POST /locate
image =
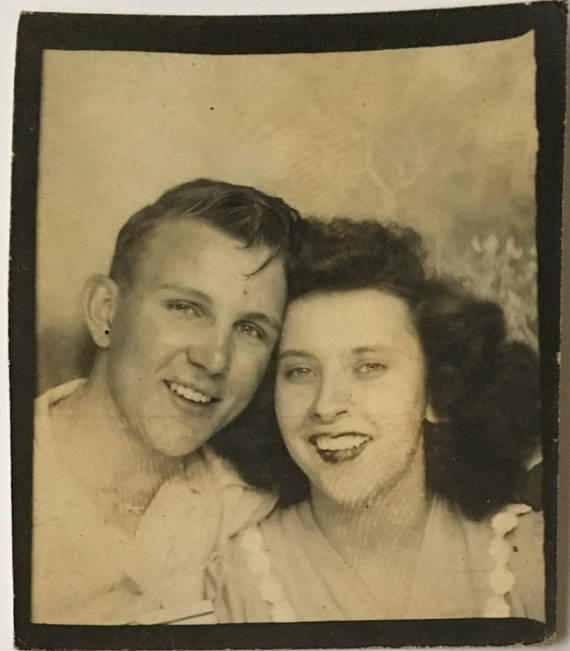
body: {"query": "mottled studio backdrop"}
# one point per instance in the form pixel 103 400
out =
pixel 442 139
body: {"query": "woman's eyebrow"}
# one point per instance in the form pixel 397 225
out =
pixel 379 348
pixel 294 353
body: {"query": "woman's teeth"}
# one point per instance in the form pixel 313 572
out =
pixel 340 447
pixel 189 394
pixel 343 442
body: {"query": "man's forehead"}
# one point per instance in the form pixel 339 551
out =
pixel 180 252
pixel 191 238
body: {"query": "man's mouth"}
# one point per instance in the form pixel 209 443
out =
pixel 189 394
pixel 334 448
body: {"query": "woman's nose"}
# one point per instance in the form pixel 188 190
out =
pixel 331 401
pixel 212 353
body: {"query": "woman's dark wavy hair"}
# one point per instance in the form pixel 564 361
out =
pixel 483 387
pixel 245 213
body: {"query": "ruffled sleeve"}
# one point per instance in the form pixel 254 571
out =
pixel 527 565
pixel 516 579
pixel 243 585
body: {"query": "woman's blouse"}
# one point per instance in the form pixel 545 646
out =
pixel 285 570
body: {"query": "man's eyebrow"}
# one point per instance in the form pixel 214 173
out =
pixel 261 316
pixel 189 291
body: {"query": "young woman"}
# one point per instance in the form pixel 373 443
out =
pixel 411 420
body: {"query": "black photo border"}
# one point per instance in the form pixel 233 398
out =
pixel 271 35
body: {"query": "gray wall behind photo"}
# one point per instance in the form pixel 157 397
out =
pixel 442 139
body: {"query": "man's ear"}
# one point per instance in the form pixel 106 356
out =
pixel 100 299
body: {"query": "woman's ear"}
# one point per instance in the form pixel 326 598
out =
pixel 431 416
pixel 100 298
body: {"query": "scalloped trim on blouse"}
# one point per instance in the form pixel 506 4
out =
pixel 501 578
pixel 270 589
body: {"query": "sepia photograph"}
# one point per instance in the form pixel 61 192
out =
pixel 284 324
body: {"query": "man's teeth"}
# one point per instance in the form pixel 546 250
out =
pixel 188 393
pixel 343 442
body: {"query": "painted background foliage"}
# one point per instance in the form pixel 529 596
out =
pixel 442 139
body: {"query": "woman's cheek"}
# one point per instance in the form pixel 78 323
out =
pixel 290 406
pixel 302 399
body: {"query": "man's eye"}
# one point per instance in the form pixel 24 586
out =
pixel 185 308
pixel 251 330
pixel 370 367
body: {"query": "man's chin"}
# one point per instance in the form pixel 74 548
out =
pixel 180 445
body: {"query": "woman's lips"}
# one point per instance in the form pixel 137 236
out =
pixel 334 448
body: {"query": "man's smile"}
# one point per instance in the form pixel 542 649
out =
pixel 190 394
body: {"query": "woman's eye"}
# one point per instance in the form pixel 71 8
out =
pixel 185 308
pixel 251 330
pixel 298 373
pixel 370 367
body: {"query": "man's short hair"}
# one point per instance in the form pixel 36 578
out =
pixel 250 216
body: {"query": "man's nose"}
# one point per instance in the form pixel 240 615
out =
pixel 331 401
pixel 212 353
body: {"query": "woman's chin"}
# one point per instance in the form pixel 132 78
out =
pixel 345 495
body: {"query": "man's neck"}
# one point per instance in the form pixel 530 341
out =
pixel 388 525
pixel 112 462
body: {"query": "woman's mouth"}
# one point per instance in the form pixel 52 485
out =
pixel 189 394
pixel 334 448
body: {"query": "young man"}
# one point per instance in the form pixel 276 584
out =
pixel 128 502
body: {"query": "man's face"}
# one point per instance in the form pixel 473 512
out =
pixel 192 337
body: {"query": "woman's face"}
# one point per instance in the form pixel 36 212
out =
pixel 350 394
